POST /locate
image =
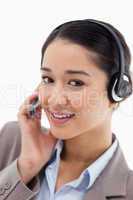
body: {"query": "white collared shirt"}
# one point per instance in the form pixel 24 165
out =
pixel 76 189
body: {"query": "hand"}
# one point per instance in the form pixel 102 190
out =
pixel 37 146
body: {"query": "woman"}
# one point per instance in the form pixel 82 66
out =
pixel 78 157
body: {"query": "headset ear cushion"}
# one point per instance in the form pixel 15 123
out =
pixel 125 88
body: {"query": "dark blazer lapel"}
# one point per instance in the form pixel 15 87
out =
pixel 112 181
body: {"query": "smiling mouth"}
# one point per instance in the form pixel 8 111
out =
pixel 60 119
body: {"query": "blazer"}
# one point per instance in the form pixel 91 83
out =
pixel 115 182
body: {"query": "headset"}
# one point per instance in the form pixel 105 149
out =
pixel 120 85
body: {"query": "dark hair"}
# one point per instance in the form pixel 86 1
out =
pixel 95 38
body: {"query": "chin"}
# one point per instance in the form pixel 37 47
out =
pixel 61 134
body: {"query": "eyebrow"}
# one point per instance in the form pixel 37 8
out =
pixel 67 71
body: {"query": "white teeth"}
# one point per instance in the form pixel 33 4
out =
pixel 61 116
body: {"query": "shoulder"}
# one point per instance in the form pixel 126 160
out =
pixel 10 133
pixel 10 126
pixel 10 143
pixel 130 185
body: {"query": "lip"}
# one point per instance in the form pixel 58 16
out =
pixel 58 121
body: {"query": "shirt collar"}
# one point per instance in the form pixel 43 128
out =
pixel 56 151
pixel 59 145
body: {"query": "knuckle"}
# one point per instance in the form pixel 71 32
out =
pixel 23 109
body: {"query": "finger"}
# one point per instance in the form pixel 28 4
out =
pixel 24 113
pixel 30 98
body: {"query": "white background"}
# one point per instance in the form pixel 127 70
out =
pixel 24 26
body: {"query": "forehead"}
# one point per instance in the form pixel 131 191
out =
pixel 61 55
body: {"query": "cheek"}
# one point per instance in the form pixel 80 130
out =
pixel 43 95
pixel 91 104
pixel 79 99
pixel 85 100
pixel 95 100
pixel 98 105
pixel 76 102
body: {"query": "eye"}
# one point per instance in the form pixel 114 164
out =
pixel 77 83
pixel 46 79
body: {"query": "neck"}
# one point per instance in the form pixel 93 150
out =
pixel 87 147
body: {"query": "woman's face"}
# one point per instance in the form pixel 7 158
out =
pixel 73 83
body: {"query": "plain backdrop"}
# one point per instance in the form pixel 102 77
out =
pixel 24 26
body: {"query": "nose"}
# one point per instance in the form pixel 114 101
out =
pixel 57 98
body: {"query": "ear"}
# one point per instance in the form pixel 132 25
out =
pixel 115 105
